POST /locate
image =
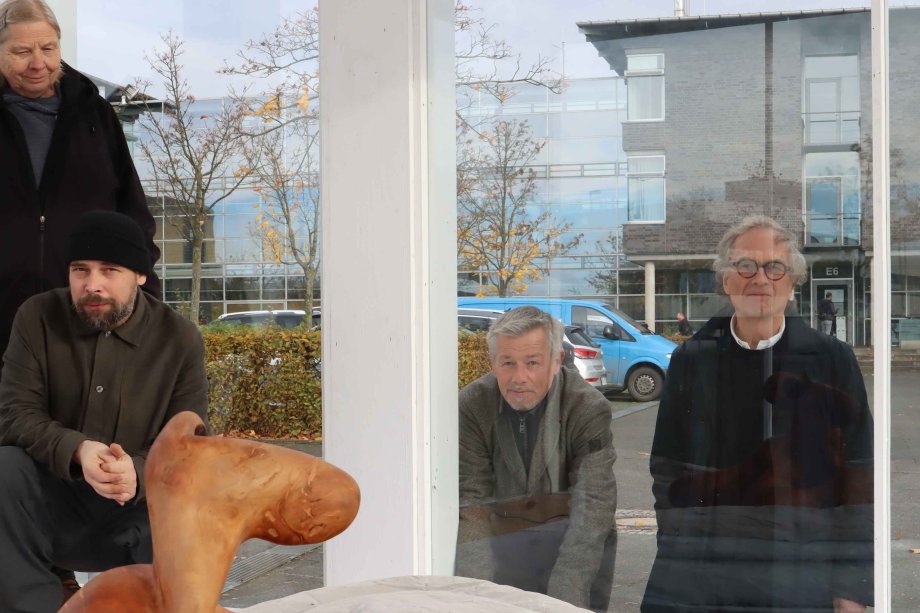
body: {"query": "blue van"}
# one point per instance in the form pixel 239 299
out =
pixel 636 359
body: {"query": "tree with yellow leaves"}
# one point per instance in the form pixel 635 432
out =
pixel 190 153
pixel 497 233
pixel 285 172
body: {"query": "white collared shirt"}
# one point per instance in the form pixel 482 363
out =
pixel 764 344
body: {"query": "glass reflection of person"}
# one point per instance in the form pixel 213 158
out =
pixel 537 489
pixel 762 456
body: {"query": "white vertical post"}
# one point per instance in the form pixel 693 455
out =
pixel 389 281
pixel 66 13
pixel 650 295
pixel 881 304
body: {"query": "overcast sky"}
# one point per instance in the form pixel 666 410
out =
pixel 114 36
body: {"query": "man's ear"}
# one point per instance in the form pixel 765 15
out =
pixel 141 279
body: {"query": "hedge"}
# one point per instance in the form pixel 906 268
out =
pixel 472 358
pixel 266 381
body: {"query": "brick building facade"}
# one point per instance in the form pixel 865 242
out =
pixel 767 114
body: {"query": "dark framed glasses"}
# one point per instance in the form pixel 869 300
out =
pixel 773 270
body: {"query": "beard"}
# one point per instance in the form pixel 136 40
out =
pixel 106 320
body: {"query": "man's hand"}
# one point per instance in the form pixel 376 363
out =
pixel 108 470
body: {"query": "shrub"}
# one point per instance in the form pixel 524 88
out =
pixel 264 381
pixel 473 358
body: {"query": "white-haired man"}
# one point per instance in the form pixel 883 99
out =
pixel 762 456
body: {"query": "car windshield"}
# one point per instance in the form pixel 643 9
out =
pixel 635 324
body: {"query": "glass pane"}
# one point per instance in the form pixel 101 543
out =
pixel 646 199
pixel 645 98
pixel 646 164
pixel 645 62
pixel 905 309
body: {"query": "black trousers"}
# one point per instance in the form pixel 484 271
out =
pixel 46 521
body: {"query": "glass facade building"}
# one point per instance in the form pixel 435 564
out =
pixel 582 180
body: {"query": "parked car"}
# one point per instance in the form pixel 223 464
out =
pixel 635 358
pixel 581 352
pixel 588 357
pixel 283 318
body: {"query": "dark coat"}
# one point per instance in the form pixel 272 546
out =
pixel 88 167
pixel 750 522
pixel 64 382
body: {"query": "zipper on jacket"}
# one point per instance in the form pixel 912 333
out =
pixel 41 245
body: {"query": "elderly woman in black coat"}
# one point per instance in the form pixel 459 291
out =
pixel 62 153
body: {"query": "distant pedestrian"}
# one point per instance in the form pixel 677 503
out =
pixel 683 326
pixel 827 313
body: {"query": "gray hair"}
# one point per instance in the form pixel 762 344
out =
pixel 798 268
pixel 26 11
pixel 518 322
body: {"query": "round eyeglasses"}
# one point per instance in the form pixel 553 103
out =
pixel 773 270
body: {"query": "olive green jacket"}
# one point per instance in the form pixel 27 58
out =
pixel 64 383
pixel 574 454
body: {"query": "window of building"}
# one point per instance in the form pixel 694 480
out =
pixel 830 99
pixel 645 87
pixel 832 210
pixel 645 175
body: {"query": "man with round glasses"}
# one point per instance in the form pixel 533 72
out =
pixel 762 456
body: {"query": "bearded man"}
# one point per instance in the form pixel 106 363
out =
pixel 91 375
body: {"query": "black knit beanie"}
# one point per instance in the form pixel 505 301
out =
pixel 110 237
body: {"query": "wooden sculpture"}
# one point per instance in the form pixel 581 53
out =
pixel 207 495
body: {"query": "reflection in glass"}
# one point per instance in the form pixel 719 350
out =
pixel 832 198
pixel 762 457
pixel 831 89
pixel 243 288
pixel 537 489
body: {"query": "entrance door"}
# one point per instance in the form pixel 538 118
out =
pixel 841 292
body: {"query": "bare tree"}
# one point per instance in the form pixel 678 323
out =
pixel 190 153
pixel 288 58
pixel 489 64
pixel 497 233
pixel 285 171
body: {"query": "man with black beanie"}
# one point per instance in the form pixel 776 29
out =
pixel 91 375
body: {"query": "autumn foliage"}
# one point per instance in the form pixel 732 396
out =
pixel 498 232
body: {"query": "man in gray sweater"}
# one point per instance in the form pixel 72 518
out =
pixel 537 489
pixel 91 375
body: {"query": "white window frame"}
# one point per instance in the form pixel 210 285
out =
pixel 648 175
pixel 840 112
pixel 654 72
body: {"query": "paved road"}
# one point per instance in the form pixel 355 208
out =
pixel 633 430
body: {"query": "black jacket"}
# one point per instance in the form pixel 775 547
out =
pixel 749 521
pixel 88 167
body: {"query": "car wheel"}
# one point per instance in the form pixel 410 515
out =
pixel 644 384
